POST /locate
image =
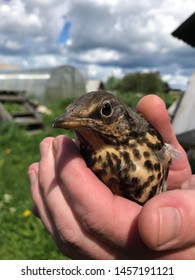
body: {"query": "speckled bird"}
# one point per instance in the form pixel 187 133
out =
pixel 124 151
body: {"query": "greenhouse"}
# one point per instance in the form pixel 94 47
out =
pixel 45 85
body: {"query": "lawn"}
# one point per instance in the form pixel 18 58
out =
pixel 22 236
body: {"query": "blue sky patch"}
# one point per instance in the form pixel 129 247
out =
pixel 65 33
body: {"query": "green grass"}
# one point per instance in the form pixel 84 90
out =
pixel 14 107
pixel 22 235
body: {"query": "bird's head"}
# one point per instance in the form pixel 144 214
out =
pixel 97 116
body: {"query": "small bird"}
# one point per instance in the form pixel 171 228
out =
pixel 124 151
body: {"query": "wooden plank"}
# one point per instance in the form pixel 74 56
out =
pixel 27 121
pixel 11 98
pixel 4 114
pixel 22 114
pixel 28 118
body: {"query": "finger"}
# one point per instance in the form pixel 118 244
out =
pixel 189 183
pixel 153 109
pixel 39 205
pixel 42 212
pixel 171 219
pixel 66 223
pixel 32 175
pixel 98 210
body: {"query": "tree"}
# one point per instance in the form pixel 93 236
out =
pixel 146 83
pixel 113 83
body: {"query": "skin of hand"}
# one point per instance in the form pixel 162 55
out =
pixel 88 222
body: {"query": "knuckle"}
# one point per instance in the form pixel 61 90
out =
pixel 69 235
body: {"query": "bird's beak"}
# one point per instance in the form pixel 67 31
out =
pixel 66 121
pixel 63 121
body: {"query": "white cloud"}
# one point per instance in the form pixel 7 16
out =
pixel 99 55
pixel 95 72
pixel 106 37
pixel 15 20
pixel 13 45
pixel 176 80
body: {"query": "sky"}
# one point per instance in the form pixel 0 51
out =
pixel 101 38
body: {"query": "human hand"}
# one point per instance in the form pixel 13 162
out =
pixel 87 221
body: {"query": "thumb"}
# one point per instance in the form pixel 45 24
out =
pixel 167 221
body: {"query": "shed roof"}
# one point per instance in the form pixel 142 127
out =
pixel 93 85
pixel 45 85
pixel 183 121
pixel 186 31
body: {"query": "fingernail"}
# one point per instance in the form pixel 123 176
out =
pixel 44 147
pixel 55 146
pixel 170 225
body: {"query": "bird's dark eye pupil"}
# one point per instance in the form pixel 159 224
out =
pixel 106 109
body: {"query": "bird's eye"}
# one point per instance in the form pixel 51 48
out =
pixel 106 110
